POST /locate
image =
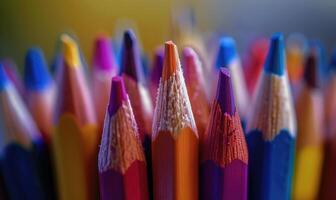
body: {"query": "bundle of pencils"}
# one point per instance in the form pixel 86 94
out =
pixel 75 140
pixel 122 164
pixel 224 156
pixel 188 147
pixel 175 138
pixel 271 130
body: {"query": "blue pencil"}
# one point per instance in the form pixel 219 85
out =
pixel 272 130
pixel 40 95
pixel 21 146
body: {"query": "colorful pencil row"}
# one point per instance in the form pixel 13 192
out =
pixel 185 147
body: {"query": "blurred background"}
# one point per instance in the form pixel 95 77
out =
pixel 38 23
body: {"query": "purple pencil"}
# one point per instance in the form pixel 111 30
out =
pixel 224 155
pixel 156 72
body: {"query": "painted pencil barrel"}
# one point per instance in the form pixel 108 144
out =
pixel 175 177
pixel 75 158
pixel 270 166
pixel 18 166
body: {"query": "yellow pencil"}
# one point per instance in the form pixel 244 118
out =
pixel 75 138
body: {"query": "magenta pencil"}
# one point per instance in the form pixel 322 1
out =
pixel 121 160
pixel 224 156
pixel 104 67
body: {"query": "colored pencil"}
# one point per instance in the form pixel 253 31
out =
pixel 271 130
pixel 104 68
pixel 194 78
pixel 224 156
pixel 227 56
pixel 122 163
pixel 141 103
pixel 175 138
pixel 75 139
pixel 295 53
pixel 156 72
pixel 13 74
pixel 254 62
pixel 309 150
pixel 21 146
pixel 40 93
pixel 328 177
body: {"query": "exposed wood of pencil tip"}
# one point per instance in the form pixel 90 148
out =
pixel 171 60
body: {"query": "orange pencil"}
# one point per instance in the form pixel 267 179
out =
pixel 75 140
pixel 194 78
pixel 175 138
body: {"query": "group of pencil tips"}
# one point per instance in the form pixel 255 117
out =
pixel 212 126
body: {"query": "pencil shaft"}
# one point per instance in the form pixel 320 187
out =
pixel 271 166
pixel 177 176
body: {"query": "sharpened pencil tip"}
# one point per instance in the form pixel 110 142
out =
pixel 103 58
pixel 171 60
pixel 311 71
pixel 36 75
pixel 191 63
pixel 70 51
pixel 4 80
pixel 226 52
pixel 129 38
pixel 275 60
pixel 224 96
pixel 130 57
pixel 157 65
pixel 118 95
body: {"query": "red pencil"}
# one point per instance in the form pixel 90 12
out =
pixel 224 151
pixel 195 83
pixel 121 160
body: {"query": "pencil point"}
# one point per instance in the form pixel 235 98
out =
pixel 129 38
pixel 70 51
pixel 103 55
pixel 226 52
pixel 157 65
pixel 191 62
pixel 131 60
pixel 171 60
pixel 4 80
pixel 311 73
pixel 36 75
pixel 275 60
pixel 118 95
pixel 224 95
